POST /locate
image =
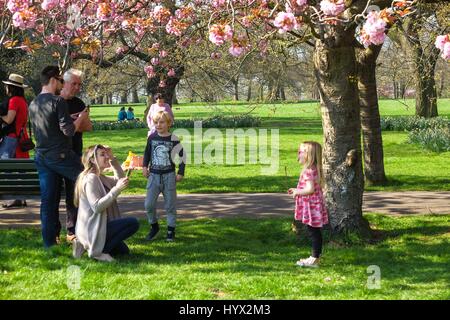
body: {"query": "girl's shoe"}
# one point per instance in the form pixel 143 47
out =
pixel 104 257
pixel 310 262
pixel 77 249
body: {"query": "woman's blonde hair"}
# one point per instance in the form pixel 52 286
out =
pixel 314 158
pixel 90 163
pixel 162 114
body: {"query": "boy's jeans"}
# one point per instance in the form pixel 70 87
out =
pixel 166 184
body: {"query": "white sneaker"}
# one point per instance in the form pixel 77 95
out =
pixel 77 249
pixel 310 262
pixel 104 257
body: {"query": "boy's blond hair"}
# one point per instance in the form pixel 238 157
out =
pixel 162 114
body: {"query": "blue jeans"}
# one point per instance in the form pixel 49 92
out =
pixel 116 232
pixel 8 147
pixel 51 167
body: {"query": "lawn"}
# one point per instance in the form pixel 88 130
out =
pixel 237 259
pixel 407 166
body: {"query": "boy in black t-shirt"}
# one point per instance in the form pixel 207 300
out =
pixel 159 168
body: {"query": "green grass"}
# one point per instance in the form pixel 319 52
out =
pixel 408 167
pixel 237 259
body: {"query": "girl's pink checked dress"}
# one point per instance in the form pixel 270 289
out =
pixel 311 209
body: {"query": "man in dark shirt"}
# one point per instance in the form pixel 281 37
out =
pixel 71 88
pixel 53 130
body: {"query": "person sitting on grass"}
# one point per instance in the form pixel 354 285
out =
pixel 122 114
pixel 100 230
pixel 159 168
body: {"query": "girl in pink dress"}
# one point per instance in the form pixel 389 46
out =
pixel 309 201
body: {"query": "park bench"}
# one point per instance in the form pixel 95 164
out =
pixel 18 177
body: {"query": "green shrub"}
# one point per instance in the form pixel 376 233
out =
pixel 434 139
pixel 411 123
pixel 212 122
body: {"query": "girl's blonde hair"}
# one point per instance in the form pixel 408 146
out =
pixel 90 163
pixel 162 114
pixel 314 158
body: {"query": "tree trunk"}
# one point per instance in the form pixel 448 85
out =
pixel 236 88
pixel 124 97
pixel 426 96
pixel 174 98
pixel 169 89
pixel 249 90
pixel 335 71
pixel 370 116
pixel 134 96
pixel 282 93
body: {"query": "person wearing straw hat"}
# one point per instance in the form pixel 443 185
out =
pixel 14 118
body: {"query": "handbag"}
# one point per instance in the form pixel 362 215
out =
pixel 25 144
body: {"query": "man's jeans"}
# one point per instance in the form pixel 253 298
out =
pixel 51 167
pixel 116 232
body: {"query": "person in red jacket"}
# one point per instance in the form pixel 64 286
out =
pixel 16 119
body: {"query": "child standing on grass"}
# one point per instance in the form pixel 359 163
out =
pixel 159 168
pixel 309 201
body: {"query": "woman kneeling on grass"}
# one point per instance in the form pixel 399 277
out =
pixel 100 230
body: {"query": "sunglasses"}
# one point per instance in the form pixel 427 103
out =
pixel 60 79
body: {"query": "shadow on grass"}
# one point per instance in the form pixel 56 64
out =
pixel 243 245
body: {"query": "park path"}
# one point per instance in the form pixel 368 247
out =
pixel 254 205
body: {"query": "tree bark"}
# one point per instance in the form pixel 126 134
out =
pixel 370 116
pixel 235 82
pixel 134 96
pixel 426 95
pixel 124 97
pixel 335 71
pixel 249 90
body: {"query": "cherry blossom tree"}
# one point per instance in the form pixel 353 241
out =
pixel 107 31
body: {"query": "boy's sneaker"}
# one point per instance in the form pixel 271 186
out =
pixel 170 234
pixel 153 232
pixel 310 262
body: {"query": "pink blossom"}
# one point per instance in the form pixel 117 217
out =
pixel 373 30
pixel 54 39
pixel 285 22
pixel 17 5
pixel 155 61
pixel 440 41
pixel 218 3
pixel 163 53
pixel 162 84
pixel 122 50
pixel 236 50
pixel 176 27
pixel 332 7
pixel 301 3
pixel 105 11
pixel 216 55
pixel 25 19
pixel 49 4
pixel 446 52
pixel 218 34
pixel 149 71
pixel 171 73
